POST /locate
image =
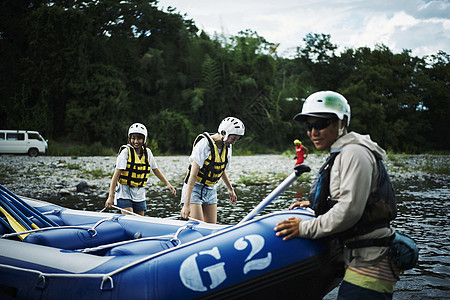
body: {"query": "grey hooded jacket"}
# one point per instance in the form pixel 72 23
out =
pixel 353 177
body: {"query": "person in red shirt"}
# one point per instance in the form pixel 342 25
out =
pixel 302 152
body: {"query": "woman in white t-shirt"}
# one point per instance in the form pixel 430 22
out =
pixel 208 163
pixel 133 165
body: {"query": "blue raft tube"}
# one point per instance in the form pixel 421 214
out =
pixel 51 252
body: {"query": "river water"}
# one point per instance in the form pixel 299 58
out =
pixel 421 182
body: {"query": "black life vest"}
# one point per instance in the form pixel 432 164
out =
pixel 214 165
pixel 381 207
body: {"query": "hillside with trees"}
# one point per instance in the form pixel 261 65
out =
pixel 83 71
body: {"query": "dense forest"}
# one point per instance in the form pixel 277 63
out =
pixel 83 71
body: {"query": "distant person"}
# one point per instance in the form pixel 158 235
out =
pixel 209 161
pixel 302 152
pixel 133 165
pixel 352 197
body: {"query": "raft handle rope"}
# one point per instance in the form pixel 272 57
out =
pixel 7 235
pixel 175 240
pixel 121 209
pixel 172 238
pixel 90 229
pixel 190 218
pixel 111 283
pixel 106 246
pixel 52 212
pixel 42 277
pixel 172 217
pixel 104 277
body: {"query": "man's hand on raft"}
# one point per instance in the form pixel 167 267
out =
pixel 288 229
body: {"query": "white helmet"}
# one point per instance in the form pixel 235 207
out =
pixel 231 125
pixel 138 128
pixel 325 102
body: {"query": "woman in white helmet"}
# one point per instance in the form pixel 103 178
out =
pixel 133 165
pixel 352 197
pixel 209 160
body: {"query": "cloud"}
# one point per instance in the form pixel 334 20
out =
pixel 433 9
pixel 419 25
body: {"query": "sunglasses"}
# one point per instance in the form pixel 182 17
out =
pixel 319 125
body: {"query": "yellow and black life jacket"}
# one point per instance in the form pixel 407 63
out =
pixel 138 168
pixel 213 166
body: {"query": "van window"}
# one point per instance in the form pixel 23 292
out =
pixel 35 136
pixel 15 136
pixel 2 136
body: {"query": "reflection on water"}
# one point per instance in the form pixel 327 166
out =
pixel 423 214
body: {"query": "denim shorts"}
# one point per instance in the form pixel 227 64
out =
pixel 203 195
pixel 137 206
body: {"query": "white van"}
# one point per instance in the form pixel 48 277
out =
pixel 22 142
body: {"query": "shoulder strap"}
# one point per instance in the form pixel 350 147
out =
pixel 123 147
pixel 321 187
pixel 209 139
pixel 131 160
pixel 381 242
pixel 211 145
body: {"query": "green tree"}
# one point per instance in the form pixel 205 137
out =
pixel 434 87
pixel 171 132
pixel 85 71
pixel 383 96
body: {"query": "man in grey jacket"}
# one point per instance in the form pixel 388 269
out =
pixel 346 199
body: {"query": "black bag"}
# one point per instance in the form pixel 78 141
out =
pixel 403 251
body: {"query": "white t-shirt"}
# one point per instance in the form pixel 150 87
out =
pixel 199 154
pixel 124 191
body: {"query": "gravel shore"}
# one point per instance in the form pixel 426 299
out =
pixel 56 176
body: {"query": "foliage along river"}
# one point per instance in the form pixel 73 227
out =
pixel 421 183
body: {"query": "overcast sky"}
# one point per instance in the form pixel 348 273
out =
pixel 422 26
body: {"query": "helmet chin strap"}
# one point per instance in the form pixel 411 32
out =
pixel 341 129
pixel 224 137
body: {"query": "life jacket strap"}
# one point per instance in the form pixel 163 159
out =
pixel 386 242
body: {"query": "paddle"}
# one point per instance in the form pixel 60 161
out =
pixel 6 224
pixel 298 170
pixel 16 226
pixel 17 213
pixel 25 206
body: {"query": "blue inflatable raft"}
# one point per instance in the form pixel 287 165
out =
pixel 62 253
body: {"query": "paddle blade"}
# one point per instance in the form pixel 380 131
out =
pixel 14 224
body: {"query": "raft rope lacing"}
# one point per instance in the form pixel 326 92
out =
pixel 90 229
pixel 106 277
pixel 41 282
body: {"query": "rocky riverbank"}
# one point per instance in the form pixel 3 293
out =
pixel 57 177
